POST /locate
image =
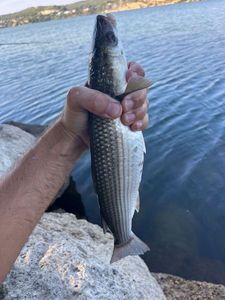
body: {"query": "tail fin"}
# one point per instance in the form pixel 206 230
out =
pixel 134 246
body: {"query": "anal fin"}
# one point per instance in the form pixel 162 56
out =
pixel 105 226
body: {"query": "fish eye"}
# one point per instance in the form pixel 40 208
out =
pixel 103 21
pixel 110 37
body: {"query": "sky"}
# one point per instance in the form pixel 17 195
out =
pixel 11 6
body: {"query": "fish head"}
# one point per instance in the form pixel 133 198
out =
pixel 105 32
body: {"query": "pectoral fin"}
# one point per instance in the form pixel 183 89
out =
pixel 135 84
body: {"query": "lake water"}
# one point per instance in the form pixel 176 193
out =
pixel 182 49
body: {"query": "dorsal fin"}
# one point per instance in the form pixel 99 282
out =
pixel 135 84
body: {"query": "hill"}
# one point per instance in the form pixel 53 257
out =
pixel 46 13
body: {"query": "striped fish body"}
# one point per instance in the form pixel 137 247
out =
pixel 117 153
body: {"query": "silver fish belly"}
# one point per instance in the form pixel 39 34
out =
pixel 117 153
pixel 117 162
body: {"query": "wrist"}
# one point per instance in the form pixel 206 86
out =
pixel 64 142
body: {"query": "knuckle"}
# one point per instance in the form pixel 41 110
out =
pixel 73 92
pixel 139 103
pixel 98 103
pixel 139 97
pixel 141 113
pixel 94 102
pixel 71 96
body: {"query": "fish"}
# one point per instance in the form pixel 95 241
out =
pixel 117 152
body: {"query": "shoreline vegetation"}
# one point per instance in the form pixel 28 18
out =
pixel 81 8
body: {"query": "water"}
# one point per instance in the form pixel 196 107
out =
pixel 182 49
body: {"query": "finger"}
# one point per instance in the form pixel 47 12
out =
pixel 128 118
pixel 134 100
pixel 135 115
pixel 130 74
pixel 82 98
pixel 134 69
pixel 140 124
pixel 141 111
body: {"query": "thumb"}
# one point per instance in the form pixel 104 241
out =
pixel 82 99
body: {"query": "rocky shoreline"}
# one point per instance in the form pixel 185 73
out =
pixel 81 8
pixel 68 258
pixel 177 288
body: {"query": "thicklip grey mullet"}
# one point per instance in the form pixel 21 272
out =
pixel 117 153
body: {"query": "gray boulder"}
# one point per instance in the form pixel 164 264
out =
pixel 66 258
pixel 34 129
pixel 14 142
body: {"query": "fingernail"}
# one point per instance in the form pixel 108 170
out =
pixel 129 117
pixel 113 110
pixel 139 124
pixel 129 104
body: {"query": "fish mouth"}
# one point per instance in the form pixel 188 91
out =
pixel 106 30
pixel 107 19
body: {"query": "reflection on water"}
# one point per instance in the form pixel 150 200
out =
pixel 181 47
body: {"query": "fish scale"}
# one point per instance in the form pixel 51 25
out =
pixel 117 153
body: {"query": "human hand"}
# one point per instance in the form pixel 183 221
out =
pixel 80 100
pixel 135 105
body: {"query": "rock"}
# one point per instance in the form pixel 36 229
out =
pixel 14 142
pixel 66 258
pixel 176 288
pixel 34 129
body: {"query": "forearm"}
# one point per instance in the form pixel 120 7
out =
pixel 29 189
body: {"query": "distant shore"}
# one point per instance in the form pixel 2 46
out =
pixel 82 8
